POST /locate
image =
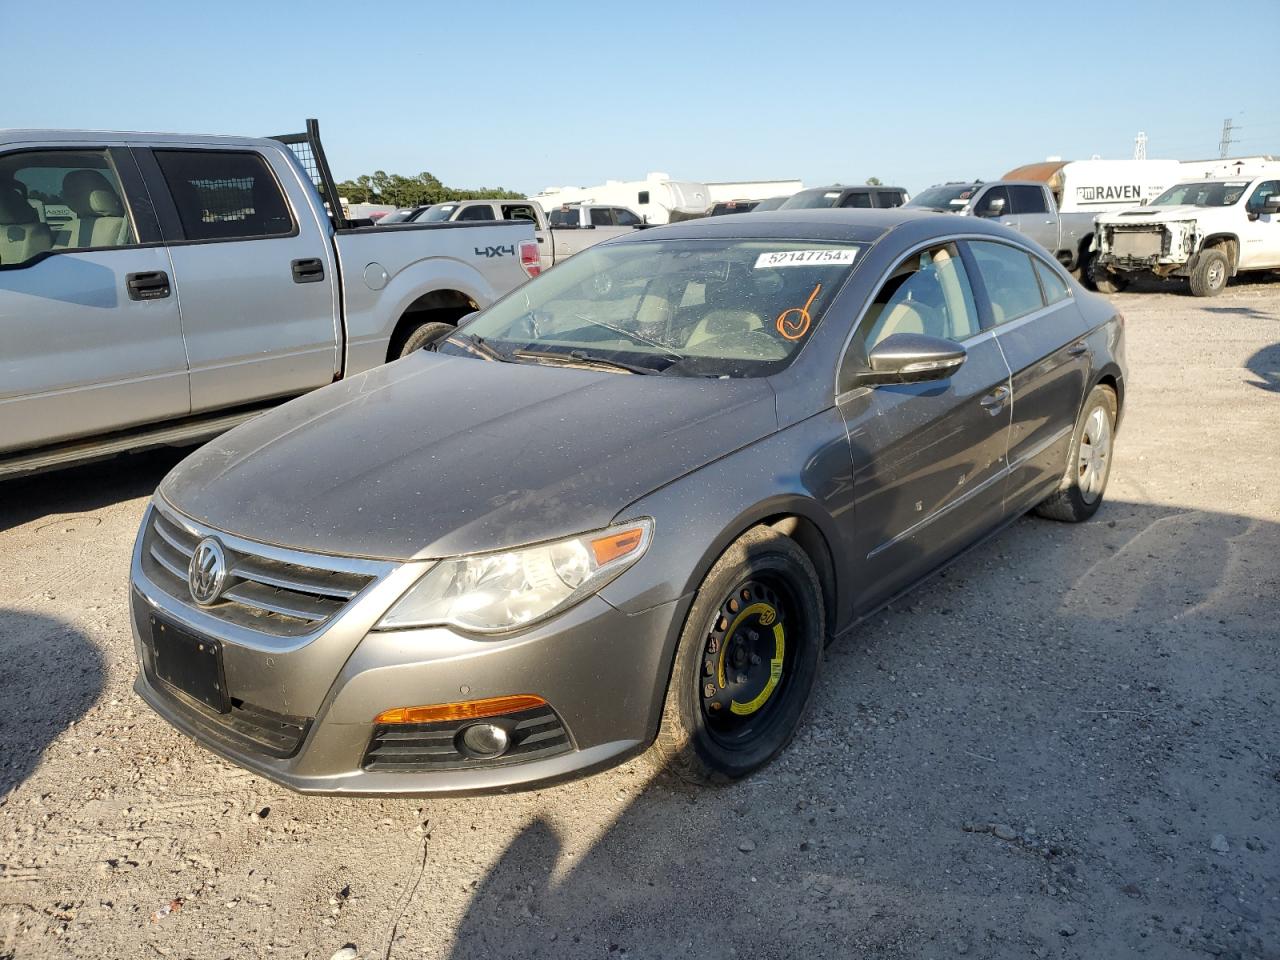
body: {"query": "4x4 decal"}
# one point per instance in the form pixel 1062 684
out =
pixel 509 250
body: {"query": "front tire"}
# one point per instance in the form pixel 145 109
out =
pixel 1088 463
pixel 1209 277
pixel 747 661
pixel 1102 280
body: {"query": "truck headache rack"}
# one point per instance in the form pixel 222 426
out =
pixel 310 153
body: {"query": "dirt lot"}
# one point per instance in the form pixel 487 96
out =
pixel 1067 746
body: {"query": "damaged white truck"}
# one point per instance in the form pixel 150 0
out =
pixel 1206 230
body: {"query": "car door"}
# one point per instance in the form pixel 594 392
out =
pixel 90 337
pixel 254 270
pixel 1031 215
pixel 1260 232
pixel 1041 334
pixel 929 458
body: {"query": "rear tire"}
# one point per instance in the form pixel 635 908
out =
pixel 1209 277
pixel 746 664
pixel 426 335
pixel 1088 462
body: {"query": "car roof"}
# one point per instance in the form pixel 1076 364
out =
pixel 848 186
pixel 109 137
pixel 848 224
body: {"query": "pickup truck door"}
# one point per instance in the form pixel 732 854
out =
pixel 1033 215
pixel 90 339
pixel 254 269
pixel 1260 233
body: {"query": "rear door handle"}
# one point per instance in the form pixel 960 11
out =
pixel 1078 348
pixel 309 270
pixel 994 400
pixel 147 285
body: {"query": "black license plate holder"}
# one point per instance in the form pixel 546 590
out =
pixel 189 664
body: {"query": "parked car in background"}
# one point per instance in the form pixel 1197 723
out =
pixel 725 207
pixel 1205 230
pixel 627 505
pixel 864 196
pixel 160 288
pixel 403 215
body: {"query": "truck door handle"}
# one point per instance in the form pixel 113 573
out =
pixel 310 270
pixel 1078 348
pixel 1049 221
pixel 147 285
pixel 994 400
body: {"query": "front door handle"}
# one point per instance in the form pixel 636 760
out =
pixel 1078 348
pixel 147 285
pixel 993 402
pixel 309 270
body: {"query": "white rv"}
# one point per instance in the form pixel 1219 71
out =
pixel 657 198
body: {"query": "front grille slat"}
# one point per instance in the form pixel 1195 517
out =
pixel 267 590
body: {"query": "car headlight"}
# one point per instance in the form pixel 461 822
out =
pixel 496 592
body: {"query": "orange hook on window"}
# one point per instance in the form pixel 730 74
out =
pixel 794 329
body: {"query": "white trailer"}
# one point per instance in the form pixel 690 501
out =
pixel 657 198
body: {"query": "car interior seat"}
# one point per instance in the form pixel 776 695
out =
pixel 22 234
pixel 98 214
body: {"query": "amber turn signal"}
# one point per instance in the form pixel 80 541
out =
pixel 466 710
pixel 616 545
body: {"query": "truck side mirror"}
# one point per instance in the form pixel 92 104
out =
pixel 995 207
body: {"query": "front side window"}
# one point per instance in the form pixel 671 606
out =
pixel 625 217
pixel 225 195
pixel 1258 199
pixel 1009 278
pixel 1027 199
pixel 479 212
pixel 983 208
pixel 52 200
pixel 601 217
pixel 859 198
pixel 731 308
pixel 928 293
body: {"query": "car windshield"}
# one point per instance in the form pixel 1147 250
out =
pixel 397 216
pixel 948 197
pixel 438 213
pixel 773 203
pixel 713 308
pixel 812 199
pixel 1202 193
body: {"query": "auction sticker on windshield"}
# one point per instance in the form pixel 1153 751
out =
pixel 806 258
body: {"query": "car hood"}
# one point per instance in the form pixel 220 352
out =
pixel 435 456
pixel 1136 216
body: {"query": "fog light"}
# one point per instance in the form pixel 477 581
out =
pixel 484 741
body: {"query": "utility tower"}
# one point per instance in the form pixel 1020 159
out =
pixel 1140 146
pixel 1224 145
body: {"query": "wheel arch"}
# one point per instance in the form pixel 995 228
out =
pixel 445 305
pixel 1231 244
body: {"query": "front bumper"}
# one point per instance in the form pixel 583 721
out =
pixel 603 672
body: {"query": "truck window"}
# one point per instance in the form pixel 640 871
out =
pixel 888 198
pixel 481 211
pixel 518 211
pixel 1027 199
pixel 225 195
pixel 564 217
pixel 983 208
pixel 53 200
pixel 858 198
pixel 1010 279
pixel 1259 197
pixel 601 217
pixel 625 217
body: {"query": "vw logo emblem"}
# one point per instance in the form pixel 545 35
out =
pixel 207 572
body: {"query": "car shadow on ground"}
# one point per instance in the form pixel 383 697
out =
pixel 50 674
pixel 84 488
pixel 1032 755
pixel 1265 365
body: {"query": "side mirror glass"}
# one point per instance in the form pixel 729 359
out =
pixel 911 358
pixel 995 207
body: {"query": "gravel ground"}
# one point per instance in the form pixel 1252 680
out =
pixel 1066 746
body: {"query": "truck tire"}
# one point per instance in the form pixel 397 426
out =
pixel 426 335
pixel 1209 276
pixel 1095 277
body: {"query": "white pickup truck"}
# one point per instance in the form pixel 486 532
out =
pixel 568 229
pixel 1205 230
pixel 158 289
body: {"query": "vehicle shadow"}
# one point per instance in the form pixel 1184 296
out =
pixel 1027 756
pixel 1265 365
pixel 84 488
pixel 50 674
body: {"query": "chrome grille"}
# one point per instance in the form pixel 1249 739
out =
pixel 262 592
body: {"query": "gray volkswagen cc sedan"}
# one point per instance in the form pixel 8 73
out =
pixel 624 507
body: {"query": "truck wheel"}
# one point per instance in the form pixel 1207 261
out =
pixel 426 335
pixel 1209 277
pixel 1097 277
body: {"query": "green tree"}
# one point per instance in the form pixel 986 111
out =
pixel 402 191
pixel 875 181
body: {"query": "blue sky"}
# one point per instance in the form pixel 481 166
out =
pixel 539 93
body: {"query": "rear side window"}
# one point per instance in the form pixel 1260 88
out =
pixel 518 211
pixel 625 217
pixel 54 200
pixel 1027 199
pixel 225 195
pixel 860 199
pixel 1054 287
pixel 479 212
pixel 1009 278
pixel 601 217
pixel 888 198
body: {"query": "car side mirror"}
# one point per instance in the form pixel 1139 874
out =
pixel 995 207
pixel 911 358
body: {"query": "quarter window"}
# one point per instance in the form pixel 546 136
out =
pixel 1009 279
pixel 225 195
pixel 928 293
pixel 1054 287
pixel 60 200
pixel 1027 199
pixel 518 211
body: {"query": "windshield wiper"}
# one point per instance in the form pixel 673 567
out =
pixel 636 337
pixel 583 358
pixel 476 345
